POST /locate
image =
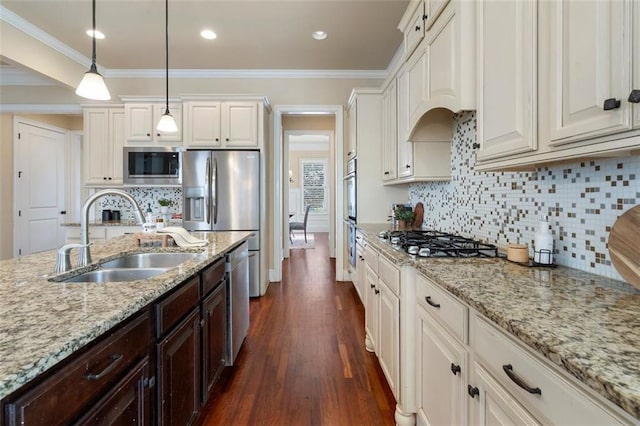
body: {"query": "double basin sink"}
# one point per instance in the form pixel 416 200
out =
pixel 131 267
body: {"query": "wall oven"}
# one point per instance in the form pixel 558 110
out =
pixel 351 212
pixel 350 180
pixel 152 166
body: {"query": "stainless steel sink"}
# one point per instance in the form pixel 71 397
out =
pixel 149 260
pixel 116 275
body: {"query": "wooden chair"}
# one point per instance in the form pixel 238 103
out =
pixel 300 226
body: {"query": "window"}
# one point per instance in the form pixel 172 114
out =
pixel 314 185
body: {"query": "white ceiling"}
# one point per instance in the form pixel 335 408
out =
pixel 253 35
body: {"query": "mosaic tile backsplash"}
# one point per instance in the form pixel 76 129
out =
pixel 146 197
pixel 582 200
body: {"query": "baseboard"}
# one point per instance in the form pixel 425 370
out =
pixel 273 276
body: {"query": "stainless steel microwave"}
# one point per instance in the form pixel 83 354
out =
pixel 150 166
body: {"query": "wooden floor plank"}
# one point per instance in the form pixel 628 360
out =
pixel 304 361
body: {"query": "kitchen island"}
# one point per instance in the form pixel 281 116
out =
pixel 44 322
pixel 581 324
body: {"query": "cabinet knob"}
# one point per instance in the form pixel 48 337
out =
pixel 611 103
pixel 217 139
pixel 417 27
pixel 377 291
pixel 408 166
pixel 109 177
pixel 473 391
pixel 227 139
pixel 104 178
pixel 349 153
pixel 386 173
pixel 373 285
pixel 63 212
pixel 634 96
pixel 455 369
pixel 158 134
pixel 149 134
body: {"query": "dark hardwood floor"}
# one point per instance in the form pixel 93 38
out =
pixel 304 361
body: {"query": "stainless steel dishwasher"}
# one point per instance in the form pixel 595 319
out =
pixel 237 268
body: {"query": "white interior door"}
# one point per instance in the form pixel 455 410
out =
pixel 39 188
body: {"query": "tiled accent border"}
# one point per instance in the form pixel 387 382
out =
pixel 581 199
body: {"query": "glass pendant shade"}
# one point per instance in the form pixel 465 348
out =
pixel 92 86
pixel 167 124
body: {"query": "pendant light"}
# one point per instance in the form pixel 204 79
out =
pixel 92 85
pixel 167 124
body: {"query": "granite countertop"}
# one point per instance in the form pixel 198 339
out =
pixel 587 324
pixel 43 322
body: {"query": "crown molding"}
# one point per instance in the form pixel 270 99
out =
pixel 28 28
pixel 40 109
pixel 11 76
pixel 242 73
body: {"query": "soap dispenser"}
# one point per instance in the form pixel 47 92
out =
pixel 543 244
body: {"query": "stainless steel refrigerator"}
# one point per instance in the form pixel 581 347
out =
pixel 221 192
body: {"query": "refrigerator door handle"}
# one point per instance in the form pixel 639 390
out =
pixel 215 188
pixel 208 191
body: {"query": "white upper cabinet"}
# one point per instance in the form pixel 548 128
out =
pixel 389 133
pixel 141 120
pixel 441 71
pixel 589 70
pixel 202 124
pixel 405 148
pixel 432 10
pixel 413 27
pixel 221 124
pixel 352 124
pixel 507 78
pixel 102 146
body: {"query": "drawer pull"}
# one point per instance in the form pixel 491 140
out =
pixel 455 369
pixel 115 360
pixel 431 302
pixel 372 285
pixel 377 291
pixel 508 369
pixel 473 391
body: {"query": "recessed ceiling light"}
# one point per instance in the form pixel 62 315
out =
pixel 319 35
pixel 208 34
pixel 99 35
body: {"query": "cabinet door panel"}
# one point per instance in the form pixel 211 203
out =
pixel 507 46
pixel 126 403
pixel 405 148
pixel 203 124
pixel 179 373
pixel 116 134
pixel 371 309
pixel 416 72
pixel 240 124
pixel 432 10
pixel 494 406
pixel 138 124
pixel 352 117
pixel 590 61
pixel 441 391
pixel 443 69
pixel 389 337
pixel 214 338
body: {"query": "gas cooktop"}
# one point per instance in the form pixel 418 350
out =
pixel 430 243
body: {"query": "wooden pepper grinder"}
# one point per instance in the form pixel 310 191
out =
pixel 418 216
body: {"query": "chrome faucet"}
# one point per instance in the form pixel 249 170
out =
pixel 84 257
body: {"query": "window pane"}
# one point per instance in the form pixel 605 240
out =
pixel 314 185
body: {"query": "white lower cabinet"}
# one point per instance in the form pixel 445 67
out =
pixel 492 404
pixel 546 394
pixel 382 315
pixel 442 374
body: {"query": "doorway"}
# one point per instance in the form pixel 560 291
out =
pixel 311 172
pixel 39 186
pixel 280 224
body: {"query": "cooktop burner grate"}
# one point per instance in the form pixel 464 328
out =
pixel 430 243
